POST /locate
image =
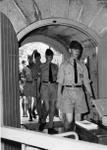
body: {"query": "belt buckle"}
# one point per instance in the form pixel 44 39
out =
pixel 49 82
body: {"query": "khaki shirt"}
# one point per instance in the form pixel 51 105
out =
pixel 66 73
pixel 35 68
pixel 27 74
pixel 45 71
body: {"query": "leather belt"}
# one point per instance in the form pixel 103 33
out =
pixel 75 86
pixel 49 82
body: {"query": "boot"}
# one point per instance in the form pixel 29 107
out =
pixel 73 126
pixel 52 131
pixel 42 126
pixel 34 114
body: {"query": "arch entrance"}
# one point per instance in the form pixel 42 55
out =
pixel 58 33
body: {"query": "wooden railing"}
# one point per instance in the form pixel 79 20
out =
pixel 42 140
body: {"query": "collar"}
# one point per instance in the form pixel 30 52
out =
pixel 71 60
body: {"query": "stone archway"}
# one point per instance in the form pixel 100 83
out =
pixel 67 22
pixel 57 44
pixel 81 29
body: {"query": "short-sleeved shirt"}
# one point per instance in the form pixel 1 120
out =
pixel 35 68
pixel 45 71
pixel 29 87
pixel 66 73
pixel 74 95
pixel 27 74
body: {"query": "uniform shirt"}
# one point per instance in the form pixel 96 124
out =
pixel 45 71
pixel 66 74
pixel 35 68
pixel 27 74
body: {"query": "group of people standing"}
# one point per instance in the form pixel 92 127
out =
pixel 54 87
pixel 29 75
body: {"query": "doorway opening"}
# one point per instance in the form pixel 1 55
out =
pixel 41 47
pixel 25 51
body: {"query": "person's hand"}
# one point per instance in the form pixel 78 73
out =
pixel 91 101
pixel 58 103
pixel 91 97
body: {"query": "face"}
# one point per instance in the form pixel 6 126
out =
pixel 30 60
pixel 24 64
pixel 75 53
pixel 36 60
pixel 49 58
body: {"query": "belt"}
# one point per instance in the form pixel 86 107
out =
pixel 49 82
pixel 29 81
pixel 35 79
pixel 75 86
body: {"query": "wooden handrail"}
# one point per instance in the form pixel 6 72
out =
pixel 46 141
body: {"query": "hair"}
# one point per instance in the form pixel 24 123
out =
pixel 49 52
pixel 76 45
pixel 36 54
pixel 30 60
pixel 23 61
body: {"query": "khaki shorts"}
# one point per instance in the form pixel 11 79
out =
pixel 49 92
pixel 73 97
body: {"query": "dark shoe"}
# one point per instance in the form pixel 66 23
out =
pixel 39 120
pixel 52 131
pixel 73 127
pixel 56 113
pixel 30 119
pixel 42 126
pixel 34 115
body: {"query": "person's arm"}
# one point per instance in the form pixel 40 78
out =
pixel 59 91
pixel 87 82
pixel 60 79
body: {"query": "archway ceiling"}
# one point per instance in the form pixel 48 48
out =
pixel 91 13
pixel 63 34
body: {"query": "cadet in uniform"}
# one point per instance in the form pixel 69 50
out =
pixel 29 86
pixel 21 85
pixel 71 76
pixel 35 69
pixel 48 90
